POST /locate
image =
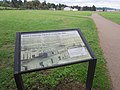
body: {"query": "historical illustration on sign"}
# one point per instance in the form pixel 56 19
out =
pixel 40 50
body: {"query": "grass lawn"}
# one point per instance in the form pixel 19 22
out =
pixel 33 20
pixel 113 16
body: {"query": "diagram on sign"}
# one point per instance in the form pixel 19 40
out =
pixel 39 50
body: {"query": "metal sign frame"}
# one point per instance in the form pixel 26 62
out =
pixel 17 60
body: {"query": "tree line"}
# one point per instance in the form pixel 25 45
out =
pixel 36 4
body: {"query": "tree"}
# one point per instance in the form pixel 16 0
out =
pixel 15 3
pixel 35 4
pixel 20 2
pixel 104 9
pixel 85 8
pixel 53 5
pixel 4 1
pixel 28 5
pixel 25 1
pixel 60 6
pixel 44 5
pixel 49 5
pixel 93 8
pixel 40 6
pixel 77 7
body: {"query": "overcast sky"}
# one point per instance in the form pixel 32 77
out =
pixel 97 3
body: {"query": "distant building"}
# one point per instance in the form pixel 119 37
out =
pixel 106 9
pixel 67 9
pixel 118 10
pixel 52 9
pixel 81 9
pixel 99 10
pixel 75 9
pixel 111 10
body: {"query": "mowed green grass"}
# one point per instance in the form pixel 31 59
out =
pixel 113 16
pixel 32 20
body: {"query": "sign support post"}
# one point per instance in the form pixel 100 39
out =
pixel 19 81
pixel 90 74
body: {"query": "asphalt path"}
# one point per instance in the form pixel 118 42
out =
pixel 109 36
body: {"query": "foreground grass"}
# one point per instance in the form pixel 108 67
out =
pixel 14 21
pixel 113 16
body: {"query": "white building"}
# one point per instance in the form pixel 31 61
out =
pixel 99 10
pixel 67 9
pixel 111 10
pixel 75 9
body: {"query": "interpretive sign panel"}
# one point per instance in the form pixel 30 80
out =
pixel 41 50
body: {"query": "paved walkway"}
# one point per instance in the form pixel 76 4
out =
pixel 109 35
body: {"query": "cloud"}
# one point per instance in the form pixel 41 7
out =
pixel 97 3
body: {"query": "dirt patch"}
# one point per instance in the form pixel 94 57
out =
pixel 40 86
pixel 66 84
pixel 70 84
pixel 46 72
pixel 8 46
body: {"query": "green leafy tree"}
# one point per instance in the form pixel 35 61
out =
pixel 25 1
pixel 49 5
pixel 29 5
pixel 93 8
pixel 20 2
pixel 35 4
pixel 44 5
pixel 53 5
pixel 15 3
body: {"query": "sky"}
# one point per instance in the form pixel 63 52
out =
pixel 97 3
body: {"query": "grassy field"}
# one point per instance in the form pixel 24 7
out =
pixel 113 16
pixel 28 20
